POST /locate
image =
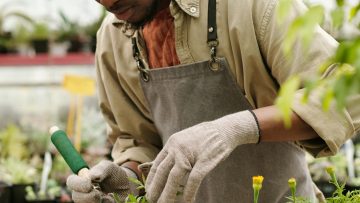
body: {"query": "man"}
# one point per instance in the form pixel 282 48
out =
pixel 208 123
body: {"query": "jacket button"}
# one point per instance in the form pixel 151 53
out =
pixel 193 9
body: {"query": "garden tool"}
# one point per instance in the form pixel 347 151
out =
pixel 69 153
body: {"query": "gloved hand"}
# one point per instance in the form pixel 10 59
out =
pixel 111 178
pixel 189 155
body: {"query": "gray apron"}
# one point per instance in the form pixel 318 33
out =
pixel 185 95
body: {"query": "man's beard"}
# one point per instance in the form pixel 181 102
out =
pixel 150 13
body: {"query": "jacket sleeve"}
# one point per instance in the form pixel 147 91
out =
pixel 334 127
pixel 129 127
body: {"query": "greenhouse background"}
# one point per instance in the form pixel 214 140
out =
pixel 37 92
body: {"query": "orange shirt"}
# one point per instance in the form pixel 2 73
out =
pixel 159 37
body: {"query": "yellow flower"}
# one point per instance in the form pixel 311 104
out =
pixel 292 183
pixel 257 182
pixel 330 170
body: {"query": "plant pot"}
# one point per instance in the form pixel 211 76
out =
pixel 18 193
pixel 4 193
pixel 93 44
pixel 40 45
pixel 75 46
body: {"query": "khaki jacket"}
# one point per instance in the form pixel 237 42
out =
pixel 250 39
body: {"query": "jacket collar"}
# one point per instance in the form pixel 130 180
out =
pixel 190 7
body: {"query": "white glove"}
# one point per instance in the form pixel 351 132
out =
pixel 111 178
pixel 189 155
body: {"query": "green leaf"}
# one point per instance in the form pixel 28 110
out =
pixel 131 199
pixel 136 181
pixel 338 16
pixel 328 97
pixel 303 28
pixel 116 198
pixel 354 11
pixel 291 36
pixel 286 97
pixel 341 91
pixel 340 3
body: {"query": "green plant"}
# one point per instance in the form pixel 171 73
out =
pixel 337 197
pixel 40 142
pixel 294 198
pixel 12 143
pixel 344 81
pixel 60 169
pixel 6 37
pixel 6 13
pixel 20 35
pixel 67 30
pixel 40 31
pixel 53 191
pixel 132 198
pixel 92 28
pixel 17 171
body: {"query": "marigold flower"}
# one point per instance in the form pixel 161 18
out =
pixel 292 183
pixel 257 184
pixel 330 170
pixel 257 180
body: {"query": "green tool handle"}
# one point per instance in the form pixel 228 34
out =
pixel 68 152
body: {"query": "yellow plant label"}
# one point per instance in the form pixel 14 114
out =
pixel 80 85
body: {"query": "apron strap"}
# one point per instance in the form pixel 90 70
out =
pixel 212 34
pixel 212 29
pixel 140 65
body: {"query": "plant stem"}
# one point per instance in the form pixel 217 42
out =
pixel 256 196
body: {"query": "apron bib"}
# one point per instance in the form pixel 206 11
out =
pixel 185 95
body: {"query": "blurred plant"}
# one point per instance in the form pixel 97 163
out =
pixel 71 32
pixel 12 143
pixel 60 170
pixel 318 165
pixel 5 13
pixel 67 30
pixel 40 142
pixel 344 80
pixel 93 127
pixel 53 191
pixel 21 35
pixel 40 31
pixel 16 171
pixel 339 196
pixel 92 28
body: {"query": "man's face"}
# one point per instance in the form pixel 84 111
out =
pixel 132 11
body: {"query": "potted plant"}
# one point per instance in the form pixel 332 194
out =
pixel 18 174
pixel 6 42
pixel 70 32
pixel 15 168
pixel 92 29
pixel 40 37
pixel 53 190
pixel 4 191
